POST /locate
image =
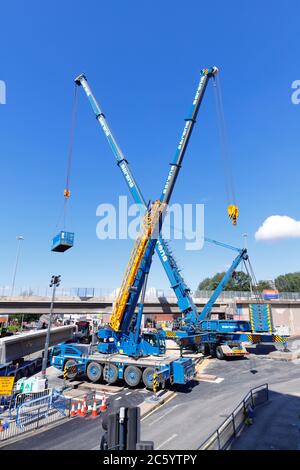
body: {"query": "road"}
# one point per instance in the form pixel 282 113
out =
pixel 78 433
pixel 189 418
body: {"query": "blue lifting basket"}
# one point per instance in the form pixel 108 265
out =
pixel 62 241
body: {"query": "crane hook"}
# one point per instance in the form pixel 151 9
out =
pixel 233 213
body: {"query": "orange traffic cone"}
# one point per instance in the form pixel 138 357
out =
pixel 94 411
pixel 73 412
pixel 83 410
pixel 78 412
pixel 103 406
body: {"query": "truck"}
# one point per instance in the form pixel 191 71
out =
pixel 20 368
pixel 85 360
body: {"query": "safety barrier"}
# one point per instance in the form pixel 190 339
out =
pixel 33 414
pixel 25 397
pixel 223 437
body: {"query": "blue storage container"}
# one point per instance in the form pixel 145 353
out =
pixel 62 241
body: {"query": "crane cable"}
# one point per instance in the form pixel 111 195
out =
pixel 253 280
pixel 232 209
pixel 67 192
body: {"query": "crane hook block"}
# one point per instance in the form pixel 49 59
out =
pixel 67 192
pixel 233 213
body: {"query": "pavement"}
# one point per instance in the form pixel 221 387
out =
pixel 276 425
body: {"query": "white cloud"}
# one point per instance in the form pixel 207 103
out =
pixel 278 226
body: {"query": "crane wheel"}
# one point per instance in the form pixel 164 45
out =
pixel 148 377
pixel 110 373
pixel 71 367
pixel 94 371
pixel 132 376
pixel 219 353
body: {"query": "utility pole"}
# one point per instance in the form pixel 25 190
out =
pixel 19 238
pixel 55 281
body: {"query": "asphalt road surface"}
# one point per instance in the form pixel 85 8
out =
pixel 189 418
pixel 78 433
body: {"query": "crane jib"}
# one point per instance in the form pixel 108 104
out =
pixel 165 256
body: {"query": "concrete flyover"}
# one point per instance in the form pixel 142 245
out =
pixel 286 312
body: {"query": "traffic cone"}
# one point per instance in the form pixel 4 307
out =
pixel 73 412
pixel 78 412
pixel 94 411
pixel 85 406
pixel 103 406
pixel 83 410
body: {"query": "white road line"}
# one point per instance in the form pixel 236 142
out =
pixel 165 442
pixel 119 398
pixel 128 393
pixel 165 414
pixel 219 380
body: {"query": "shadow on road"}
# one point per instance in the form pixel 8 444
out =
pixel 276 425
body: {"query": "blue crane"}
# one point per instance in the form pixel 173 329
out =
pixel 192 329
pixel 177 282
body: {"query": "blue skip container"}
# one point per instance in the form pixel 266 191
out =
pixel 62 241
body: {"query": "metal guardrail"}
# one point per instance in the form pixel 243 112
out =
pixel 110 294
pixel 223 437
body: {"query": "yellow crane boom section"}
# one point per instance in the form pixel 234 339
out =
pixel 148 225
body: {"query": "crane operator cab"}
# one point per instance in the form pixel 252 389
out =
pixel 155 342
pixel 148 344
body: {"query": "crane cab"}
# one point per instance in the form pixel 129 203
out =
pixel 62 241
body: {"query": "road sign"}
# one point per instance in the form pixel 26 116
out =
pixel 6 385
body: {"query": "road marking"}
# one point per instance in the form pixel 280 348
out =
pixel 165 414
pixel 156 409
pixel 119 398
pixel 219 380
pixel 165 442
pixel 128 393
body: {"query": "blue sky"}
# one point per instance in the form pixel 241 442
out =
pixel 142 60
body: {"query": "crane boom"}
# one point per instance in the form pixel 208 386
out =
pixel 142 266
pixel 177 282
pixel 225 279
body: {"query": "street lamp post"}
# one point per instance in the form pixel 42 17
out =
pixel 19 238
pixel 55 281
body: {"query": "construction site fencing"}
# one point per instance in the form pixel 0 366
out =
pixel 25 397
pixel 223 437
pixel 34 414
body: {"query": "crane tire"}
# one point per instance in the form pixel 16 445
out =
pixel 148 377
pixel 94 371
pixel 70 374
pixel 132 376
pixel 219 353
pixel 110 373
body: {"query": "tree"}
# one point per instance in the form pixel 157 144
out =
pixel 289 282
pixel 28 317
pixel 262 285
pixel 239 282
